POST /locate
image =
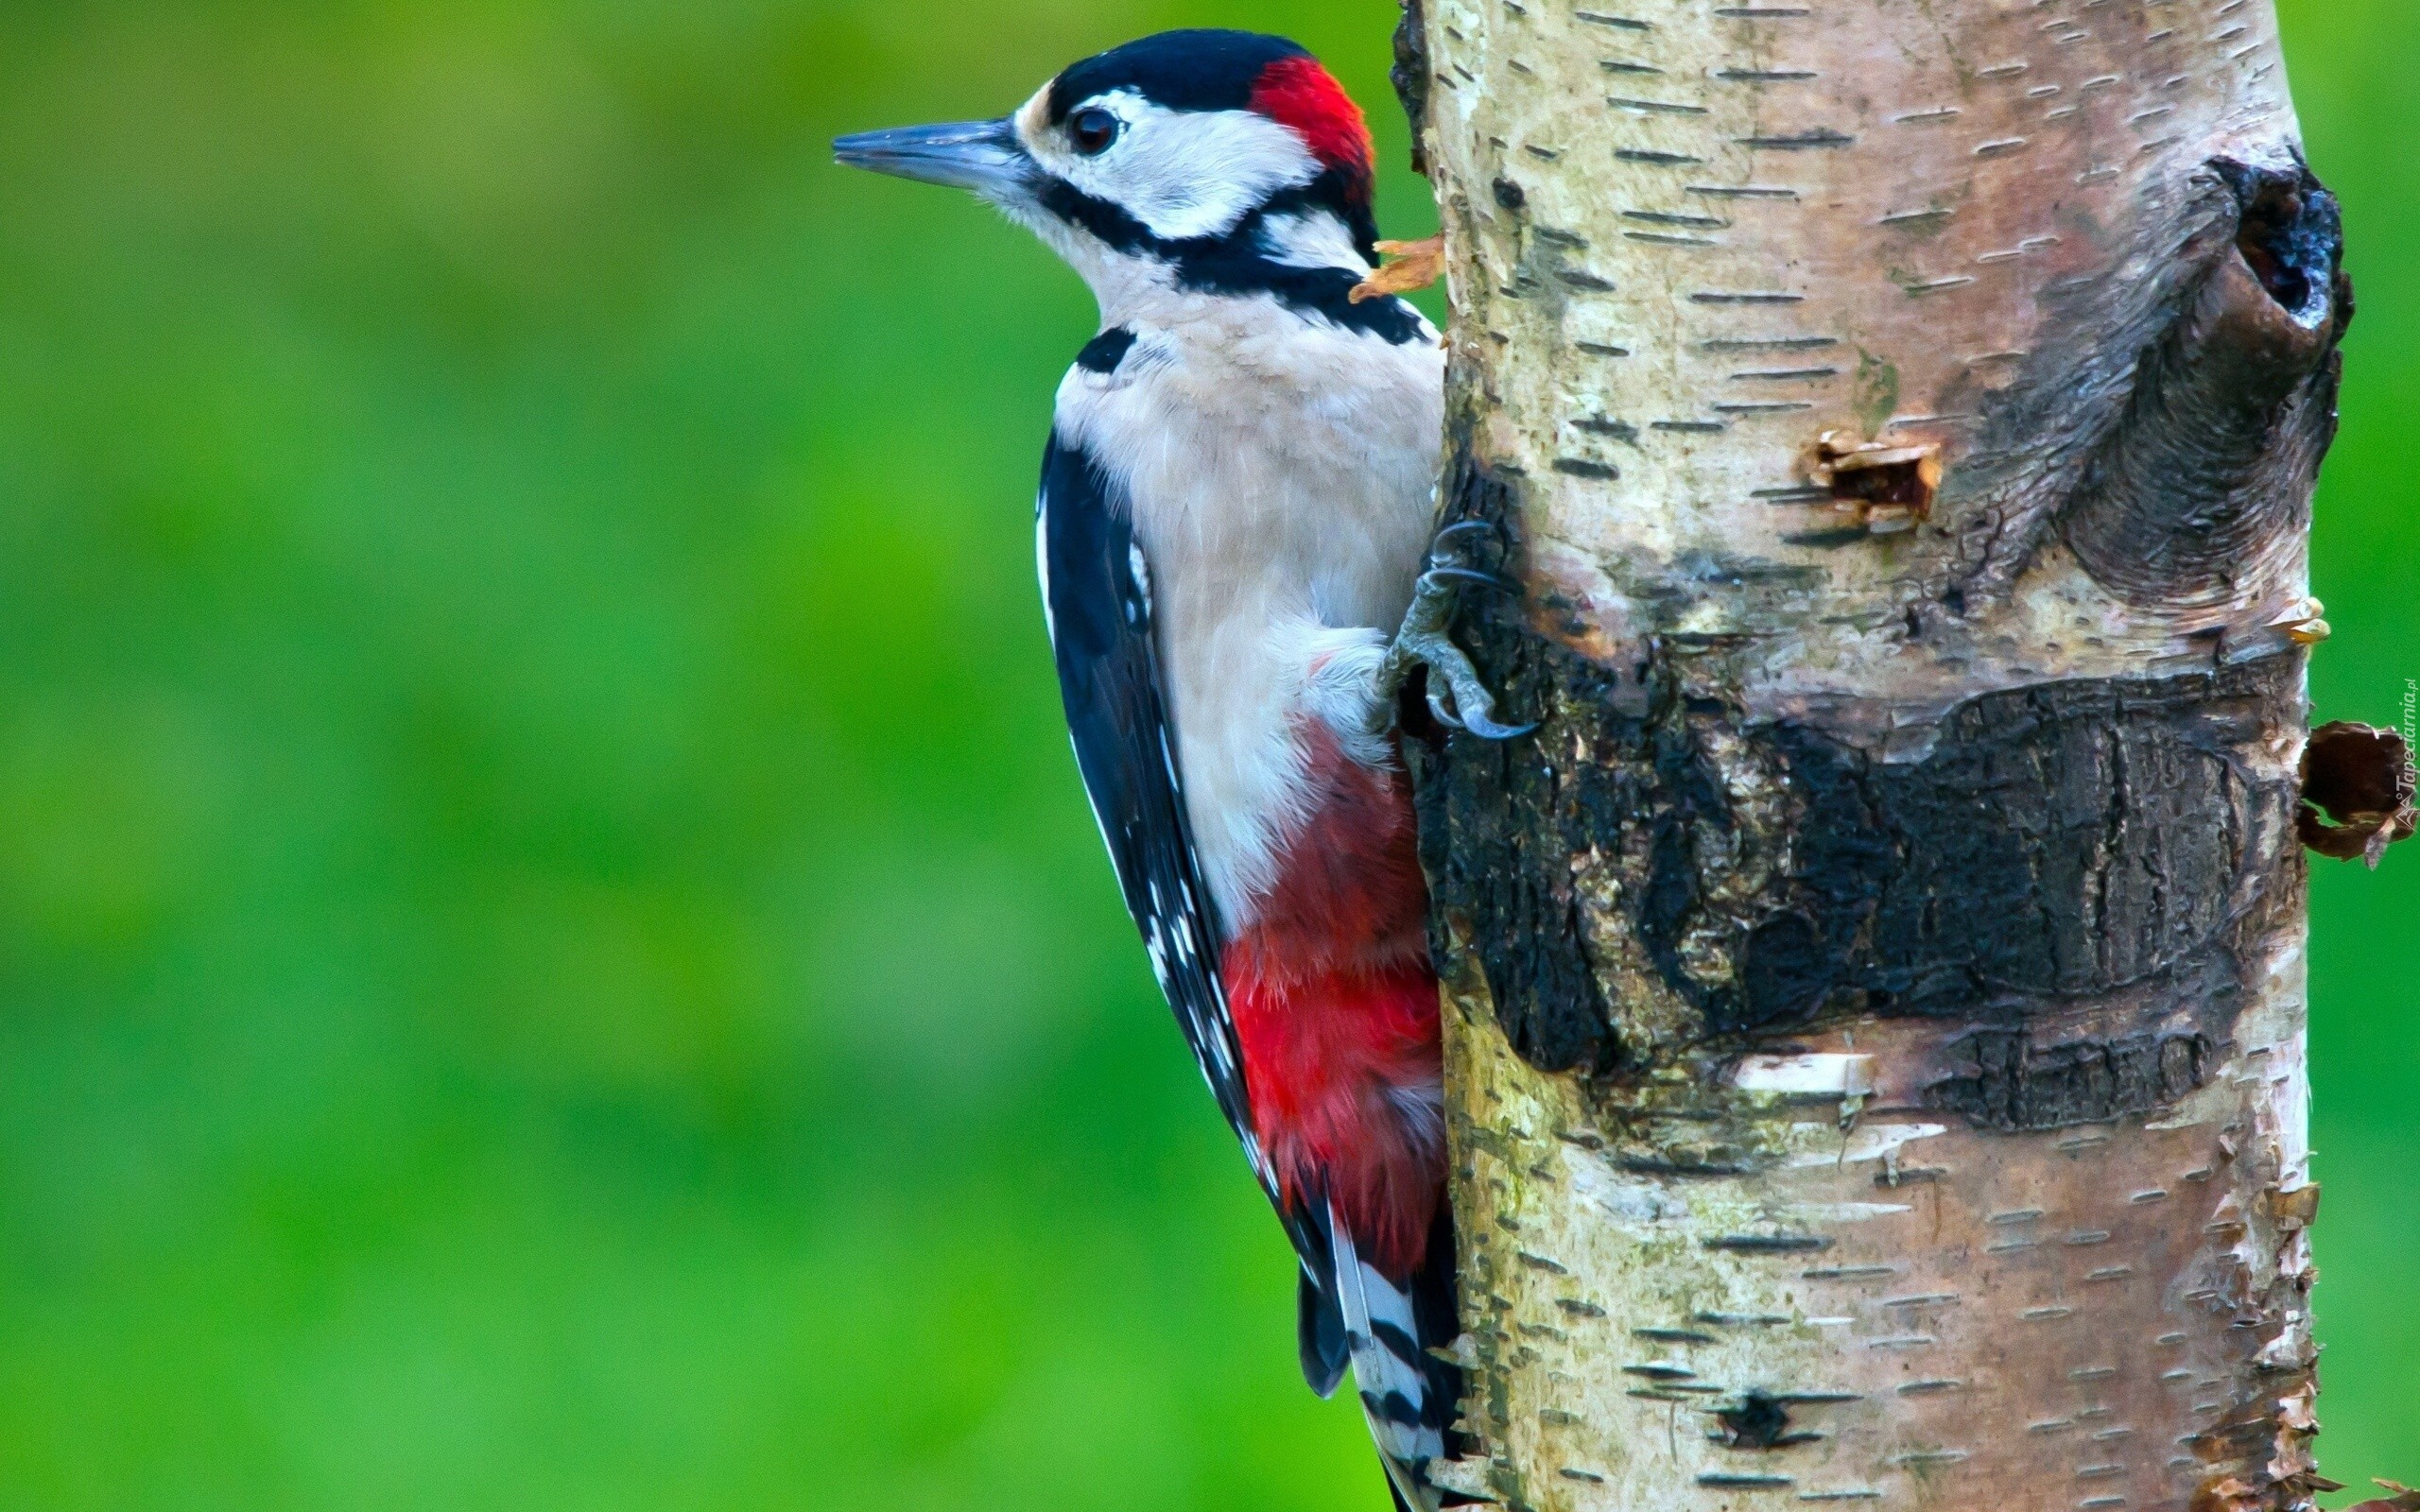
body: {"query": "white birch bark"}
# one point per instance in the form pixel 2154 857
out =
pixel 1876 1005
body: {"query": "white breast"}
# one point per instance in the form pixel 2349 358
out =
pixel 1282 474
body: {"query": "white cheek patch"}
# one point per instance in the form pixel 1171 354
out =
pixel 1310 240
pixel 1182 173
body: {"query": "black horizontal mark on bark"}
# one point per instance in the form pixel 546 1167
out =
pixel 2016 1086
pixel 1770 1243
pixel 1655 107
pixel 1800 141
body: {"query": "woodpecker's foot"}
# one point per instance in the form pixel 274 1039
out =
pixel 1457 695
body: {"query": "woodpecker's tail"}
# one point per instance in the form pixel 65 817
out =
pixel 1386 1328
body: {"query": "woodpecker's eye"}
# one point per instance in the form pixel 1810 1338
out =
pixel 1093 129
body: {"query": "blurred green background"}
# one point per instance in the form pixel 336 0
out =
pixel 551 955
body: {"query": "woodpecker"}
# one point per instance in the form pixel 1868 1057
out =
pixel 1237 505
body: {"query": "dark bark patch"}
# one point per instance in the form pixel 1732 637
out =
pixel 2014 1085
pixel 2291 233
pixel 1410 77
pixel 2058 844
pixel 1526 926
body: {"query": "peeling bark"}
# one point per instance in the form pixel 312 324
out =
pixel 1875 995
pixel 2359 785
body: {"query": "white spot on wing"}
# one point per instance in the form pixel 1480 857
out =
pixel 1042 565
pixel 1141 571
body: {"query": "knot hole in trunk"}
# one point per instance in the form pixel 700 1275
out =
pixel 2197 500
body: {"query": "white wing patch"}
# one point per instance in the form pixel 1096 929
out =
pixel 1141 571
pixel 1097 585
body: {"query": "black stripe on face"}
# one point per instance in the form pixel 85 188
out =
pixel 1233 264
pixel 1103 352
pixel 1201 69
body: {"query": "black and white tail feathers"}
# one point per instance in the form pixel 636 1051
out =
pixel 1348 1313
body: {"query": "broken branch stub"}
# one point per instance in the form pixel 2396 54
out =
pixel 2358 792
pixel 2400 1497
pixel 1410 266
pixel 1874 1001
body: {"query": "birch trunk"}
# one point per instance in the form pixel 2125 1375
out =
pixel 1875 994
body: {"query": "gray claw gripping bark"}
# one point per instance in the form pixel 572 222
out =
pixel 1465 701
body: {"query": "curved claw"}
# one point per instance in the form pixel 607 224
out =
pixel 1457 695
pixel 1486 728
pixel 1472 708
pixel 1442 712
pixel 1470 575
pixel 1461 527
pixel 1481 723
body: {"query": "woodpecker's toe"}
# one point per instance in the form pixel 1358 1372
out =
pixel 1472 709
pixel 1452 556
pixel 1447 542
pixel 1457 695
pixel 1472 575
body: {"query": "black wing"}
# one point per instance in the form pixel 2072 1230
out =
pixel 1097 587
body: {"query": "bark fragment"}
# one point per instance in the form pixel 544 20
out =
pixel 2015 1085
pixel 2358 791
pixel 1411 267
pixel 1887 489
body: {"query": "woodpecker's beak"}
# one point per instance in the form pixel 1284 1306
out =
pixel 984 156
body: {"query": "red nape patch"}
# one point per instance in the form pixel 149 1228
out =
pixel 1298 93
